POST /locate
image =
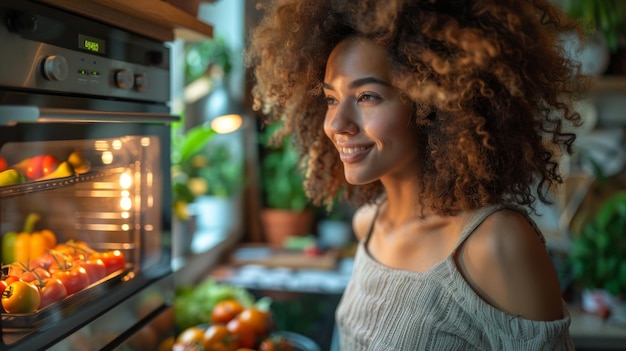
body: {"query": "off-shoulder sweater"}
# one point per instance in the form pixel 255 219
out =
pixel 397 310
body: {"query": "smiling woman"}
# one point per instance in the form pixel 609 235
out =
pixel 444 121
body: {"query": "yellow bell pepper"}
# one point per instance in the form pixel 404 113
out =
pixel 27 245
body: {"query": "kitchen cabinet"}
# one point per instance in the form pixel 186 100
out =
pixel 156 19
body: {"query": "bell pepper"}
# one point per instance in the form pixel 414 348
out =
pixel 8 247
pixel 10 177
pixel 28 244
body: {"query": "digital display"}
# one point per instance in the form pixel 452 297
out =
pixel 91 44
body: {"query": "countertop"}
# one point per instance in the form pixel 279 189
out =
pixel 156 19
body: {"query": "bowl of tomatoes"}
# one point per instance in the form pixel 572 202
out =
pixel 236 327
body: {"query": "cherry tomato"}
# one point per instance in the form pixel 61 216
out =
pixel 191 335
pixel 3 164
pixel 17 268
pixel 113 260
pixel 247 335
pixel 51 258
pixel 21 297
pixel 40 166
pixel 218 338
pixel 3 285
pixel 225 310
pixel 95 269
pixel 74 279
pixel 257 320
pixel 11 278
pixel 35 275
pixel 275 343
pixel 52 291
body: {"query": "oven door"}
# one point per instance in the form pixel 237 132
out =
pixel 119 202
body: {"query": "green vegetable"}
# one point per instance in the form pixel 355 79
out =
pixel 8 243
pixel 193 304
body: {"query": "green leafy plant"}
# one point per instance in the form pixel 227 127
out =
pixel 281 179
pixel 201 170
pixel 598 253
pixel 201 56
pixel 184 146
pixel 605 16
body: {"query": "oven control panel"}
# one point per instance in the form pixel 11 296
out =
pixel 57 52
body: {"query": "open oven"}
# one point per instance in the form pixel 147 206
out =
pixel 85 125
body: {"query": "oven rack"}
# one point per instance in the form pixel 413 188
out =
pixel 48 184
pixel 55 311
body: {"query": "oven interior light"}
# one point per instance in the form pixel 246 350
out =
pixel 107 157
pixel 125 203
pixel 126 181
pixel 116 144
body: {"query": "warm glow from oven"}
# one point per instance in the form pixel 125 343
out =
pixel 117 144
pixel 101 145
pixel 107 157
pixel 125 227
pixel 125 203
pixel 145 142
pixel 125 215
pixel 126 181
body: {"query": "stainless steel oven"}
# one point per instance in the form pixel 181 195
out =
pixel 85 127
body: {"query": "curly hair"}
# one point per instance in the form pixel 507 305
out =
pixel 491 87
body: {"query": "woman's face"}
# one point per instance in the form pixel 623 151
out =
pixel 366 119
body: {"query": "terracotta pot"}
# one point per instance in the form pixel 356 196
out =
pixel 278 225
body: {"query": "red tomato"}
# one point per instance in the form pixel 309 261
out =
pixel 35 275
pixel 113 260
pixel 21 297
pixel 50 258
pixel 225 310
pixel 247 336
pixel 95 268
pixel 10 279
pixel 41 165
pixel 259 321
pixel 74 279
pixel 3 164
pixel 3 285
pixel 51 292
pixel 217 337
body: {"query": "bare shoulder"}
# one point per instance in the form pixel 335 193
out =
pixel 362 220
pixel 508 265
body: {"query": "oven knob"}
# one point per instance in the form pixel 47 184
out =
pixel 55 68
pixel 124 79
pixel 141 81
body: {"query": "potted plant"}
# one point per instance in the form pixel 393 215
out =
pixel 598 256
pixel 334 227
pixel 216 180
pixel 287 211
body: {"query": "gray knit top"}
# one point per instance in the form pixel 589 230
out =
pixel 397 310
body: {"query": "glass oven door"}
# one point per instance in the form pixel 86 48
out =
pixel 99 182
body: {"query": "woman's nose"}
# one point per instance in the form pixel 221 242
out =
pixel 342 119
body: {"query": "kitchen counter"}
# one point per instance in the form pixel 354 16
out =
pixel 590 332
pixel 156 19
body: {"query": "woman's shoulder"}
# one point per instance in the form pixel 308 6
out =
pixel 506 262
pixel 363 219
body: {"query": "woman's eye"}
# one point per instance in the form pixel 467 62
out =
pixel 330 100
pixel 367 97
